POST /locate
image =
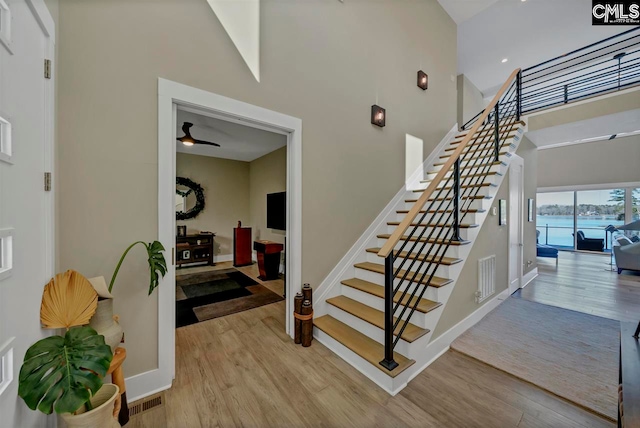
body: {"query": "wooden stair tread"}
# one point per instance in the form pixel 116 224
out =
pixel 466 166
pixel 362 345
pixel 430 241
pixel 471 211
pixel 436 281
pixel 448 261
pixel 515 126
pixel 466 186
pixel 490 134
pixel 473 158
pixel 462 225
pixel 463 176
pixel 375 317
pixel 468 148
pixel 450 198
pixel 424 305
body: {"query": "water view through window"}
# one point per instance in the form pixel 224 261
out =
pixel 561 214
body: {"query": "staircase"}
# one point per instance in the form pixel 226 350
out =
pixel 380 312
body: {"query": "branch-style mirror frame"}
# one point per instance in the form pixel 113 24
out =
pixel 199 193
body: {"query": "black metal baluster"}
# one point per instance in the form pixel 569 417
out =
pixel 388 362
pixel 497 130
pixel 519 95
pixel 456 201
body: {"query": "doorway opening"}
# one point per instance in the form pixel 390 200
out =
pixel 231 183
pixel 178 104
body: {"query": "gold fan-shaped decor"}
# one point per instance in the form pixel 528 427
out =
pixel 68 300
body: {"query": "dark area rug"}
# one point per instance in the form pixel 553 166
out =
pixel 207 295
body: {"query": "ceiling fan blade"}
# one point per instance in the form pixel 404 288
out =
pixel 207 143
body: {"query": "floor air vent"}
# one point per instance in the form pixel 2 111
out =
pixel 486 278
pixel 146 404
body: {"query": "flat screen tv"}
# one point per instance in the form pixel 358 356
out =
pixel 277 211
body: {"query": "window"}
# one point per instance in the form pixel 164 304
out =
pixel 5 25
pixel 6 253
pixel 554 219
pixel 5 140
pixel 597 209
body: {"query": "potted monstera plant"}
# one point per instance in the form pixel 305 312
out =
pixel 104 321
pixel 63 374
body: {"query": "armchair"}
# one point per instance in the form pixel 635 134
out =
pixel 589 244
pixel 627 255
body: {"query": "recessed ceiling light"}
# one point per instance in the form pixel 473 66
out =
pixel 505 60
pixel 523 1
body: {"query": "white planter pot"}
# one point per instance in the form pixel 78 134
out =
pixel 104 322
pixel 103 414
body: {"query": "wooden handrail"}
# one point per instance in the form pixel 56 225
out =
pixel 417 207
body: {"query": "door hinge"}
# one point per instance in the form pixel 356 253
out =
pixel 47 69
pixel 47 181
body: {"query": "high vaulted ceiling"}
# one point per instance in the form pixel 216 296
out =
pixel 461 10
pixel 525 32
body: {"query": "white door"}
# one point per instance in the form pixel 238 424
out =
pixel 26 214
pixel 516 203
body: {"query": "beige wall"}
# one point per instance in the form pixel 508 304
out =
pixel 602 162
pixel 268 174
pixel 470 100
pixel 492 240
pixel 226 189
pixel 323 61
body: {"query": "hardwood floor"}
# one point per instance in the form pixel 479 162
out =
pixel 243 370
pixel 583 283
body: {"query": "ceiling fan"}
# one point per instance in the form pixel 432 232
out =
pixel 188 140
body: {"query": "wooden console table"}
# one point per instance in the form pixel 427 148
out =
pixel 268 258
pixel 195 249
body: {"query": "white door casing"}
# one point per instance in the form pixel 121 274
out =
pixel 26 209
pixel 171 94
pixel 516 226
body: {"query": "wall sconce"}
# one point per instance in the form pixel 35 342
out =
pixel 423 80
pixel 378 116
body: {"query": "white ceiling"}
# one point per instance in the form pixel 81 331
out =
pixel 585 131
pixel 238 142
pixel 461 10
pixel 526 33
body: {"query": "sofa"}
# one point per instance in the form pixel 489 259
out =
pixel 627 254
pixel 589 244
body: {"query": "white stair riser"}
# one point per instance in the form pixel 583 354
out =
pixel 443 271
pixel 439 232
pixel 420 319
pixel 432 293
pixel 365 328
pixel 453 250
pixel 470 218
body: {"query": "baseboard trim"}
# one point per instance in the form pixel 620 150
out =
pixel 145 384
pixel 529 276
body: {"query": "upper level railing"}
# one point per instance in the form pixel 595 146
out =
pixel 433 223
pixel 609 65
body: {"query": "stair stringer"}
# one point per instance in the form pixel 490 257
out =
pixel 330 286
pixel 423 350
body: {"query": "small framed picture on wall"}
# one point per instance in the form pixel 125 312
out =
pixel 182 231
pixel 502 212
pixel 531 209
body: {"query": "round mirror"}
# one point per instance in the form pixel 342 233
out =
pixel 189 199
